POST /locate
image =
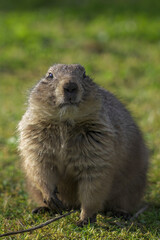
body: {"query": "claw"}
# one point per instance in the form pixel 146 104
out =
pixel 54 203
pixel 58 202
pixel 85 221
pixel 40 210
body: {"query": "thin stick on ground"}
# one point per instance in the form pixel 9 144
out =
pixel 140 211
pixel 38 226
pixel 67 214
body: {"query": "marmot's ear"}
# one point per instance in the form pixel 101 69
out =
pixel 84 75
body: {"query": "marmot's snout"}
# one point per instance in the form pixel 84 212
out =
pixel 70 92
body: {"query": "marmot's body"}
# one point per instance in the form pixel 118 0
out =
pixel 79 138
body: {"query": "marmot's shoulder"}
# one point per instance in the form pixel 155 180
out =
pixel 115 109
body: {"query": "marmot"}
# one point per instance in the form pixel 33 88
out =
pixel 80 147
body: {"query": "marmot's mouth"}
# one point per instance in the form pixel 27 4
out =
pixel 69 104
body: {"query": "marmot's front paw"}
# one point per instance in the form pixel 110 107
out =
pixel 85 221
pixel 54 203
pixel 40 210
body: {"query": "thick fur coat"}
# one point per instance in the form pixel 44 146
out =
pixel 80 147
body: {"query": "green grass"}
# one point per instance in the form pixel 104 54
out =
pixel 118 42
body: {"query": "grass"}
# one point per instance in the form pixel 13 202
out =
pixel 118 42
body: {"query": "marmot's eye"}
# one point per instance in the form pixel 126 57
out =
pixel 50 75
pixel 84 75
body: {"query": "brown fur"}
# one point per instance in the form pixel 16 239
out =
pixel 81 139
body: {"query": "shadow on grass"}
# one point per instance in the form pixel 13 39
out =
pixel 146 222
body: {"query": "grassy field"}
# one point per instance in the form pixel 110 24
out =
pixel 118 42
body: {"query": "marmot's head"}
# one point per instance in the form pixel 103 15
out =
pixel 64 91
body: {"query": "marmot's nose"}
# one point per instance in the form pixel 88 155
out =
pixel 70 88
